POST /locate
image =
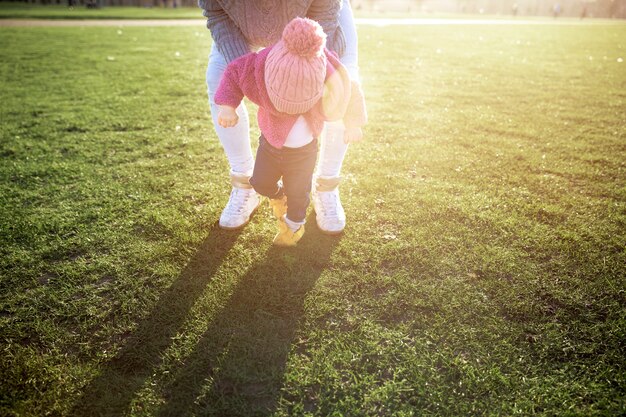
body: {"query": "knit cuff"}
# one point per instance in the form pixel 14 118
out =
pixel 224 101
pixel 232 48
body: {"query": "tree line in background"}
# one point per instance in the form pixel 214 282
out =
pixel 555 8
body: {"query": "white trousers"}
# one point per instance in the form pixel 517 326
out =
pixel 236 140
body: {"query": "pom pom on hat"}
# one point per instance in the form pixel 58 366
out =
pixel 295 67
pixel 304 37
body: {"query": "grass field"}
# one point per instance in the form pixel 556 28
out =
pixel 481 273
pixel 18 10
pixel 33 11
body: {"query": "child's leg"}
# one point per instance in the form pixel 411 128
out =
pixel 298 166
pixel 267 171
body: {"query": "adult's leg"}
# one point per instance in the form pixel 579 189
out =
pixel 236 143
pixel 333 147
pixel 330 215
pixel 235 140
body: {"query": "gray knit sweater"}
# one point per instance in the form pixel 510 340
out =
pixel 240 26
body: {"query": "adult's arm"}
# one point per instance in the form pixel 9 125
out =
pixel 326 13
pixel 226 35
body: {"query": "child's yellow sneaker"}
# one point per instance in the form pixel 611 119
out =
pixel 285 236
pixel 279 206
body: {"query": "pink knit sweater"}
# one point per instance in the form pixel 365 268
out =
pixel 246 77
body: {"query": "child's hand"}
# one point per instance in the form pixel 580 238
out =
pixel 227 116
pixel 353 134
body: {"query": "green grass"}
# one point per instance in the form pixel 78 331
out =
pixel 11 10
pixel 481 272
pixel 33 11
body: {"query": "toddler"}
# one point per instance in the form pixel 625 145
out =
pixel 298 85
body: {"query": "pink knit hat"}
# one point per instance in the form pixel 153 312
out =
pixel 295 68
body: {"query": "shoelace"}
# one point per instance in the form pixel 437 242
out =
pixel 329 204
pixel 238 200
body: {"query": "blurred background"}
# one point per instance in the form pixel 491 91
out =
pixel 591 8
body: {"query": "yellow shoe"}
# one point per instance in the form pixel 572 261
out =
pixel 285 237
pixel 279 206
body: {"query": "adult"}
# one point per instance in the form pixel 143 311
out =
pixel 240 26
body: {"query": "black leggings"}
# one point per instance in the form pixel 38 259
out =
pixel 295 166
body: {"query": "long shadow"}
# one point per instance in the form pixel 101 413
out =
pixel 111 392
pixel 237 367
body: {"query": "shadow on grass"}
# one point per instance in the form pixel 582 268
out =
pixel 111 392
pixel 237 367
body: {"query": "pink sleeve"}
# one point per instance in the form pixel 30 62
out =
pixel 356 114
pixel 232 85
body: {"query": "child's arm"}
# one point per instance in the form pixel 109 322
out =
pixel 230 92
pixel 356 115
pixel 352 134
pixel 343 99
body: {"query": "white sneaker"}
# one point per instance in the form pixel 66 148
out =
pixel 329 213
pixel 242 203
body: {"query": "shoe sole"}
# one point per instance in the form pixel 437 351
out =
pixel 243 225
pixel 330 232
